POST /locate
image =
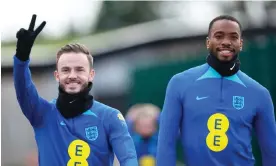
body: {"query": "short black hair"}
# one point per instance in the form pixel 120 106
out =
pixel 224 17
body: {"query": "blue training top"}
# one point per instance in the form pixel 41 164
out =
pixel 216 117
pixel 90 139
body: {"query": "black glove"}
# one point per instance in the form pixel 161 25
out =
pixel 26 39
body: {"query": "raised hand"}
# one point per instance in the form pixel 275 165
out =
pixel 26 39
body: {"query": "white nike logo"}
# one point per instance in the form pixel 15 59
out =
pixel 233 66
pixel 72 101
pixel 201 98
pixel 62 123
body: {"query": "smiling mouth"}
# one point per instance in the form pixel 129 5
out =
pixel 226 52
pixel 72 83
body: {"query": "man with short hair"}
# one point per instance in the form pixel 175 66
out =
pixel 74 129
pixel 216 107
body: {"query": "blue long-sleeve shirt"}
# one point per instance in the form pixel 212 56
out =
pixel 145 147
pixel 89 139
pixel 216 116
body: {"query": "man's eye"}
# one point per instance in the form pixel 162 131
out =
pixel 218 36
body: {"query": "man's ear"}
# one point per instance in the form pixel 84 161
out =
pixel 56 75
pixel 207 43
pixel 241 44
pixel 91 75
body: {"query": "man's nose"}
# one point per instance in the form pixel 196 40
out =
pixel 72 74
pixel 226 43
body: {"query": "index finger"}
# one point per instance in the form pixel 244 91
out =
pixel 32 24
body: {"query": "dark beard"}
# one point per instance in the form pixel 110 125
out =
pixel 82 87
pixel 215 54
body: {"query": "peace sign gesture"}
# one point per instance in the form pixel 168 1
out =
pixel 26 39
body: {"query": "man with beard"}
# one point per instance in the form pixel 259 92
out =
pixel 74 129
pixel 216 107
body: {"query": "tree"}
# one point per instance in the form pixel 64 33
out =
pixel 117 14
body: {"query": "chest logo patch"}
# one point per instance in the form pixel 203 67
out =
pixel 91 133
pixel 238 102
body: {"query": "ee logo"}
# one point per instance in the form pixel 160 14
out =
pixel 217 140
pixel 147 161
pixel 78 151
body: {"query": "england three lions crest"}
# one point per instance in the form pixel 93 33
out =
pixel 238 102
pixel 91 133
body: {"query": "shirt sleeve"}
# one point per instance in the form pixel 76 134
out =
pixel 266 129
pixel 121 141
pixel 31 104
pixel 168 131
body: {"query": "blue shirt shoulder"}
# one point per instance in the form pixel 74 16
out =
pixel 251 83
pixel 183 80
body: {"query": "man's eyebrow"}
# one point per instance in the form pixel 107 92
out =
pixel 221 32
pixel 76 67
pixel 79 67
pixel 218 32
pixel 234 33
